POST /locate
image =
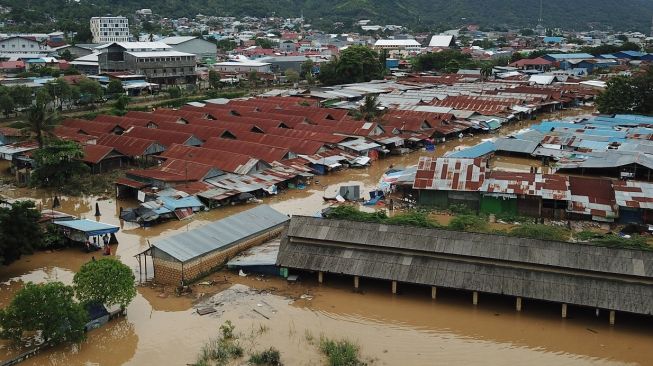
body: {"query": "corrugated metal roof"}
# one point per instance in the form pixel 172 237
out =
pixel 220 234
pixel 88 227
pixel 516 145
pixel 633 194
pixel 476 151
pixel 449 174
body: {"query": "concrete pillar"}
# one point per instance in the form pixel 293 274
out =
pixel 564 310
pixel 320 277
pixel 518 304
pixel 355 282
pixel 434 292
pixel 475 298
pixel 612 314
pixel 394 287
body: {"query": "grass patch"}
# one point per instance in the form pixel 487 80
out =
pixel 222 350
pixel 542 232
pixel 341 352
pixel 269 357
pixel 412 218
pixel 471 223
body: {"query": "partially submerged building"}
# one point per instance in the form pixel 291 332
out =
pixel 182 258
pixel 560 272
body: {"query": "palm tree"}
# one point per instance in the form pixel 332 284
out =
pixel 370 108
pixel 40 122
pixel 486 71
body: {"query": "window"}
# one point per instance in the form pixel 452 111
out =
pixel 23 46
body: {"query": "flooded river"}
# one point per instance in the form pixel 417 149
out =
pixel 408 329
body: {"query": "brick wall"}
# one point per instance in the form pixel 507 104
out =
pixel 170 272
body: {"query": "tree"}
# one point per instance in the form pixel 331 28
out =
pixel 66 55
pixel 59 91
pixel 22 95
pixel 370 109
pixel 20 232
pixel 114 88
pixel 58 163
pixel 106 281
pixel 292 76
pixel 46 308
pixel 90 91
pixel 628 94
pixel 226 44
pixel 214 79
pixel 253 78
pixel 174 92
pixel 6 103
pixel 264 43
pixel 43 97
pixel 355 64
pixel 40 121
pixel 486 71
pixel 121 103
pixel 306 68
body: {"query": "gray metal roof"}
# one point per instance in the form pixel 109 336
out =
pixel 220 234
pixel 516 145
pixel 580 274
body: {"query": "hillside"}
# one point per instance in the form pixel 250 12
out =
pixel 581 14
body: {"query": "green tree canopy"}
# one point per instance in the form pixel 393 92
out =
pixel 90 90
pixel 40 121
pixel 20 232
pixel 58 163
pixel 441 61
pixel 106 281
pixel 22 95
pixel 291 75
pixel 626 94
pixel 7 103
pixel 264 43
pixel 355 64
pixel 174 92
pixel 115 87
pixel 46 308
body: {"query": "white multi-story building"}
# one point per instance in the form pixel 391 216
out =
pixel 109 29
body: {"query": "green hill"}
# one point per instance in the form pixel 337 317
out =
pixel 580 14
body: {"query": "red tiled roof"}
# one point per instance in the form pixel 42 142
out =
pixel 266 153
pixel 164 137
pixel 225 161
pixel 129 146
pixel 95 153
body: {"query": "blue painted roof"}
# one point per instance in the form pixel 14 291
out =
pixel 476 151
pixel 553 39
pixel 563 56
pixel 172 203
pixel 631 53
pixel 545 127
pixel 594 145
pixel 608 56
pixel 90 228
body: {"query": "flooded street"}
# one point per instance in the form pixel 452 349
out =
pixel 408 328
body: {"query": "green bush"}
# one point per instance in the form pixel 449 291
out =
pixel 542 232
pixel 221 350
pixel 460 209
pixel 468 223
pixel 412 218
pixel 616 241
pixel 340 353
pixel 347 212
pixel 510 217
pixel 269 357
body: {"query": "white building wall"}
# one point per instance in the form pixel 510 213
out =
pixel 110 29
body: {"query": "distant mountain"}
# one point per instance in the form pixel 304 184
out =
pixel 579 14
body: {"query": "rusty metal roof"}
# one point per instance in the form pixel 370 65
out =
pixel 96 153
pixel 450 174
pixel 633 194
pixel 547 186
pixel 591 196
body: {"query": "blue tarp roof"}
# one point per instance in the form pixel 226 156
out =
pixel 553 39
pixel 476 151
pixel 632 53
pixel 90 228
pixel 172 203
pixel 220 234
pixel 594 145
pixel 545 127
pixel 569 56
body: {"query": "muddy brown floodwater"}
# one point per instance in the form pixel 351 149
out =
pixel 406 329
